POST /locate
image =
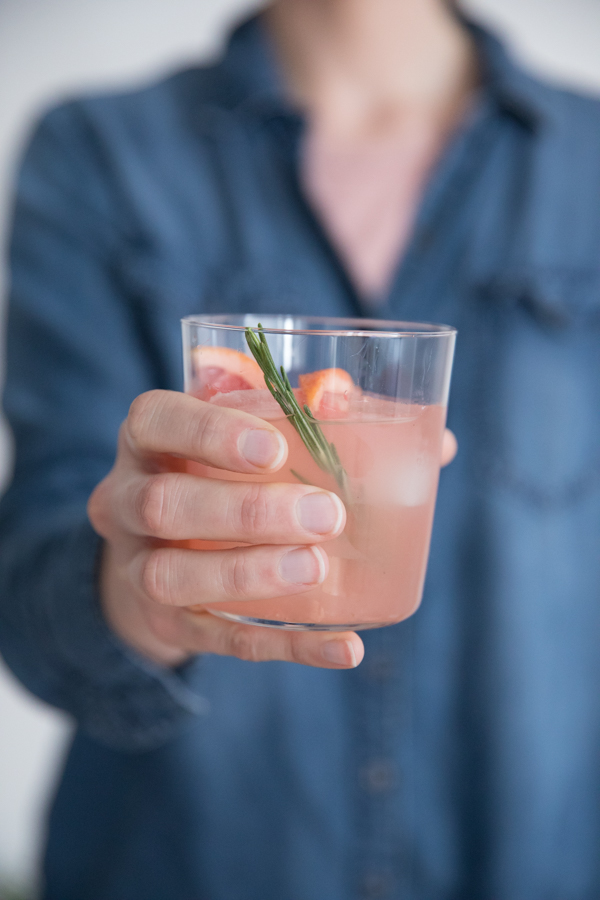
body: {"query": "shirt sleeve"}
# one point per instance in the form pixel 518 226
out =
pixel 75 360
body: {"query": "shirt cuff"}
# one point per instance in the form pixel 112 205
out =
pixel 117 696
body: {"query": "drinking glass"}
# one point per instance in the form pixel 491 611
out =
pixel 365 416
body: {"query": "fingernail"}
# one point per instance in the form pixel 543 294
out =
pixel 302 566
pixel 320 513
pixel 341 653
pixel 262 448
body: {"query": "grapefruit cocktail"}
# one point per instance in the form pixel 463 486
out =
pixel 379 450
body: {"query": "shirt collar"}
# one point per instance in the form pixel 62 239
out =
pixel 249 75
pixel 251 78
pixel 505 81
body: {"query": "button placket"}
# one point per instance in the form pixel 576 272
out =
pixel 380 776
pixel 377 886
pixel 382 698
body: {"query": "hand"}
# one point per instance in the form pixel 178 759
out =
pixel 146 586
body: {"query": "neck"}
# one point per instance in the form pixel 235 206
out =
pixel 358 66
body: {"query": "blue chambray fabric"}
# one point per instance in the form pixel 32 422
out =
pixel 460 761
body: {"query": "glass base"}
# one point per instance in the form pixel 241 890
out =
pixel 298 626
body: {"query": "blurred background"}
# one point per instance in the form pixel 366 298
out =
pixel 50 49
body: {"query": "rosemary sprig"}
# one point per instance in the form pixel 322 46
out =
pixel 324 454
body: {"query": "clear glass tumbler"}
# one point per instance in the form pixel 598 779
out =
pixel 364 410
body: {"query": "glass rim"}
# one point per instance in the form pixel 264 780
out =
pixel 349 327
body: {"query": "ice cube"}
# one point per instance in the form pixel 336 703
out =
pixel 412 484
pixel 409 483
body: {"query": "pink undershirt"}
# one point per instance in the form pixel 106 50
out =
pixel 367 196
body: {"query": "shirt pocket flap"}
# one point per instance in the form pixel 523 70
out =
pixel 553 296
pixel 543 406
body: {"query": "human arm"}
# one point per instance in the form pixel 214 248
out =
pixel 76 361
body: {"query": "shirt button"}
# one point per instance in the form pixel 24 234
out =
pixel 426 239
pixel 376 886
pixel 380 667
pixel 379 776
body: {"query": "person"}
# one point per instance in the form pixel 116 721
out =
pixel 381 159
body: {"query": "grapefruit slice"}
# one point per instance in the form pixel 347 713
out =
pixel 327 393
pixel 220 370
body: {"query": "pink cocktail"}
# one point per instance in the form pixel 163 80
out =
pixel 388 446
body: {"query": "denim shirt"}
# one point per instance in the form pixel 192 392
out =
pixel 461 760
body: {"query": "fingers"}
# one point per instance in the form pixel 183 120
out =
pixel 177 506
pixel 449 447
pixel 209 634
pixel 174 423
pixel 175 577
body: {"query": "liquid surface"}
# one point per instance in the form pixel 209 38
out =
pixel 391 453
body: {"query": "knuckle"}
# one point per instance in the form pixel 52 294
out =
pixel 98 509
pixel 206 425
pixel 124 437
pixel 155 577
pixel 297 649
pixel 252 512
pixel 209 427
pixel 140 415
pixel 243 644
pixel 154 509
pixel 235 576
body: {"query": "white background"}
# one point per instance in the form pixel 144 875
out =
pixel 51 48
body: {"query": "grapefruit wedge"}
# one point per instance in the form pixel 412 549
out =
pixel 220 370
pixel 327 393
